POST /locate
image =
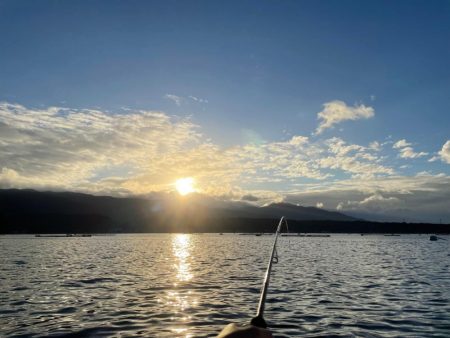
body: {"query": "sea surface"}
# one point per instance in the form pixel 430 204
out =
pixel 181 285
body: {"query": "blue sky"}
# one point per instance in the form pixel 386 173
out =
pixel 240 73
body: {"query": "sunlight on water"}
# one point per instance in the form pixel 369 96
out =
pixel 180 302
pixel 178 286
pixel 181 247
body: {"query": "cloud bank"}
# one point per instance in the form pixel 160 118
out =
pixel 142 151
pixel 67 148
pixel 139 152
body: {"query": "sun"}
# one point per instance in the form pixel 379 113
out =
pixel 185 185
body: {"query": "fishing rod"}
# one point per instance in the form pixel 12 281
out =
pixel 259 321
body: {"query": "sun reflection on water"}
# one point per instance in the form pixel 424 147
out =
pixel 181 301
pixel 181 246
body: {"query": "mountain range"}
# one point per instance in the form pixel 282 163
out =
pixel 30 211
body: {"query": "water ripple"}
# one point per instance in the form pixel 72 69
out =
pixel 192 285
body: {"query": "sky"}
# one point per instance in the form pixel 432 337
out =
pixel 342 105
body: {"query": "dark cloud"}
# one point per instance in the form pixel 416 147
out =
pixel 250 198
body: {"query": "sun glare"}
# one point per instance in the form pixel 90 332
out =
pixel 185 185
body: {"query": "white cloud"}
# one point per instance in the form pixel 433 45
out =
pixel 409 152
pixel 352 158
pixel 375 145
pixel 174 98
pixel 298 140
pixel 178 100
pixel 445 152
pixel 197 99
pixel 66 148
pixel 337 111
pixel 401 144
pixel 298 157
pixel 339 147
pixel 405 151
pixel 372 203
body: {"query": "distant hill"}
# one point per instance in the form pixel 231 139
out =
pixel 29 211
pixel 58 211
pixel 296 212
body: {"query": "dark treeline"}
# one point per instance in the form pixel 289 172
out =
pixel 54 223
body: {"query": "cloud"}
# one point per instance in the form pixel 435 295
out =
pixel 409 152
pixel 178 100
pixel 401 144
pixel 140 152
pixel 421 197
pixel 445 152
pixel 355 159
pixel 66 148
pixel 298 140
pixel 249 198
pixel 174 98
pixel 197 99
pixel 373 203
pixel 375 145
pixel 298 157
pixel 405 151
pixel 336 111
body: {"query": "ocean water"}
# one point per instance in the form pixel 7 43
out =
pixel 181 285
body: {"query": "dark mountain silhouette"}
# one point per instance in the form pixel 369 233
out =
pixel 295 212
pixel 29 211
